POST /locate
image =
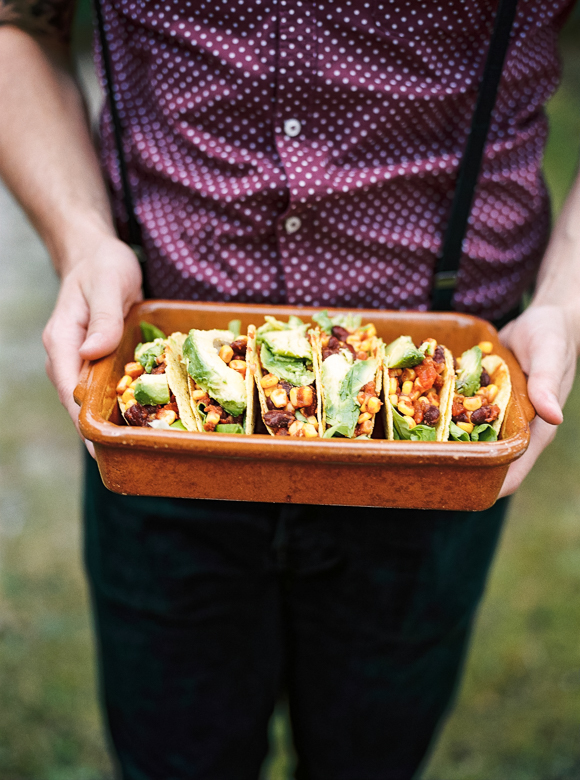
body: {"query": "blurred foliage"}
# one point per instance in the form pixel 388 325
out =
pixel 518 713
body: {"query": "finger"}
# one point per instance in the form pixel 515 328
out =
pixel 546 376
pixel 542 433
pixel 62 337
pixel 105 323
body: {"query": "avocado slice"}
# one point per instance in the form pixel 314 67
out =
pixel 469 375
pixel 204 365
pixel 288 343
pixel 152 389
pixel 402 353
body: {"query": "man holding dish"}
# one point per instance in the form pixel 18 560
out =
pixel 288 152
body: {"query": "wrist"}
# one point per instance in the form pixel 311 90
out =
pixel 78 239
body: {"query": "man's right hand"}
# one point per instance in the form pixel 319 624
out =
pixel 96 294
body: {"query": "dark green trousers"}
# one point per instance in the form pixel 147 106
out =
pixel 206 612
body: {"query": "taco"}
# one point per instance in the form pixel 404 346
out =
pixel 481 395
pixel 153 391
pixel 418 387
pixel 221 386
pixel 349 360
pixel 286 370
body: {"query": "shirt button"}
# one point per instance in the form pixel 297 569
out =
pixel 292 224
pixel 292 127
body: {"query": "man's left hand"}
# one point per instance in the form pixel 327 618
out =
pixel 544 341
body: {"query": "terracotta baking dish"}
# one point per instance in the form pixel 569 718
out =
pixel 429 475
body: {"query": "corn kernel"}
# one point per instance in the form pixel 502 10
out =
pixel 166 414
pixel 394 399
pixel 124 383
pixel 128 395
pixel 407 388
pixel 268 391
pixel 492 391
pixel 313 421
pixel 197 395
pixel 486 347
pixel 279 397
pixel 395 371
pixel 364 416
pixel 354 340
pixel 471 404
pixel 226 353
pixel 131 402
pixel 393 385
pixel 405 408
pixel 289 408
pixel 240 366
pixel 212 420
pixel 310 431
pixel 367 345
pixel 409 373
pixel 301 396
pixel 269 380
pixel 360 399
pixel 371 330
pixel 467 427
pixel 373 405
pixel 365 427
pixel 296 428
pixel 134 369
pixel 410 421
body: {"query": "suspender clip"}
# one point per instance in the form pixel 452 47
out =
pixel 445 280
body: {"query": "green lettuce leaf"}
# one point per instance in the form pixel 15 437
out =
pixel 149 332
pixel 483 432
pixel 147 353
pixel 322 319
pixel 229 427
pixel 236 327
pixel 342 380
pixel 457 434
pixel 349 321
pixel 418 433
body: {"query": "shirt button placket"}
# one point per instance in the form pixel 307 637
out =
pixel 297 62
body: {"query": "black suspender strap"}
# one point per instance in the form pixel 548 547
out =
pixel 133 229
pixel 447 265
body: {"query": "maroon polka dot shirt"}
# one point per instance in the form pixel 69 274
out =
pixel 306 152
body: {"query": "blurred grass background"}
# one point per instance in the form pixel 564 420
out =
pixel 518 713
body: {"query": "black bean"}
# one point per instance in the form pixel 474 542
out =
pixel 431 415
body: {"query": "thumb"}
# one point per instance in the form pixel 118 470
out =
pixel 105 323
pixel 546 375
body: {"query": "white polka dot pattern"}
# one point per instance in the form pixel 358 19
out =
pixel 306 152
